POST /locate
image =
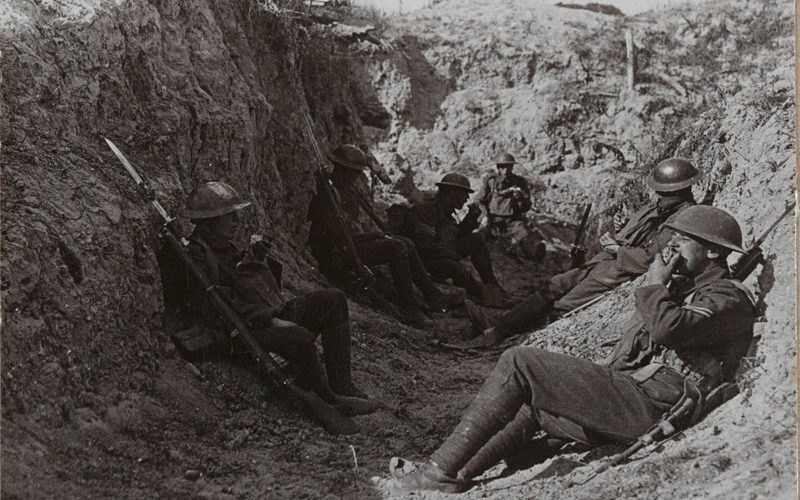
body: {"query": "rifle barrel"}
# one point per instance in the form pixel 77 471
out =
pixel 760 240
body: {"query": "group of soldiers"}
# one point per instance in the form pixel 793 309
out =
pixel 691 325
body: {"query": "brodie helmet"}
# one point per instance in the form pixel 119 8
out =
pixel 710 224
pixel 213 199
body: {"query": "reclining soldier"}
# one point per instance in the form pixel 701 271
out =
pixel 251 281
pixel 687 336
pixel 442 242
pixel 373 247
pixel 623 258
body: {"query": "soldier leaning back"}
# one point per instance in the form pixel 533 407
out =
pixel 251 282
pixel 372 246
pixel 623 258
pixel 687 335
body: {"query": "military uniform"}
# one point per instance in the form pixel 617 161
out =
pixel 642 237
pixel 373 248
pixel 442 242
pixel 253 286
pixel 697 333
pixel 504 209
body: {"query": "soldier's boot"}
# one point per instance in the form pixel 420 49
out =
pixel 496 404
pixel 527 315
pixel 492 295
pixel 412 315
pixel 480 321
pixel 441 301
pixel 351 406
pixel 509 442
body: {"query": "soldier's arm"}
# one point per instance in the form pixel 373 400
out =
pixel 637 260
pixel 715 315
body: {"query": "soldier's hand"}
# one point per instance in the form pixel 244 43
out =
pixel 660 272
pixel 259 246
pixel 281 323
pixel 608 243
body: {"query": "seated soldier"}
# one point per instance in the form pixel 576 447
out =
pixel 505 199
pixel 687 336
pixel 621 260
pixel 442 242
pixel 251 282
pixel 371 246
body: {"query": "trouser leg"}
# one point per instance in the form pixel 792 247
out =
pixel 297 345
pixel 592 399
pixel 583 292
pixel 419 274
pixel 455 270
pixel 510 441
pixel 496 404
pixel 393 252
pixel 526 315
pixel 326 313
pixel 472 244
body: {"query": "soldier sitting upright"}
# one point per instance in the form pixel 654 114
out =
pixel 251 281
pixel 623 258
pixel 442 242
pixel 372 247
pixel 687 336
pixel 505 199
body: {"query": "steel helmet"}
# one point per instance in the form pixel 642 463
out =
pixel 710 224
pixel 673 174
pixel 213 199
pixel 505 159
pixel 456 180
pixel 350 156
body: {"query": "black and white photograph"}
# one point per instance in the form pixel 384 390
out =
pixel 398 249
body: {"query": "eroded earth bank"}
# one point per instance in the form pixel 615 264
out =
pixel 96 403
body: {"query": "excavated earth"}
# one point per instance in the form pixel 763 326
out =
pixel 97 403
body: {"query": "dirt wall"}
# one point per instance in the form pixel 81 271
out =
pixel 189 91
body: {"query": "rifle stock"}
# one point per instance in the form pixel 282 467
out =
pixel 747 263
pixel 328 416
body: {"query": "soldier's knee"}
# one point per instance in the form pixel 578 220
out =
pixel 399 248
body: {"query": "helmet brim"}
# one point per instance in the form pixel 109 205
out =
pixel 673 186
pixel 341 161
pixel 459 186
pixel 207 214
pixel 704 237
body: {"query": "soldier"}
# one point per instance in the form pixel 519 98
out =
pixel 505 199
pixel 442 242
pixel 687 336
pixel 372 247
pixel 251 282
pixel 623 258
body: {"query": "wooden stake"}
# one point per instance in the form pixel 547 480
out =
pixel 631 58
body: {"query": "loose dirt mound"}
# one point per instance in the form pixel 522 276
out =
pixel 95 401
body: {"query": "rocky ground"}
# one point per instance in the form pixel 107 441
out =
pixel 97 403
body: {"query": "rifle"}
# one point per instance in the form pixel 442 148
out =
pixel 745 264
pixel 662 429
pixel 328 416
pixel 325 189
pixel 577 251
pixel 371 213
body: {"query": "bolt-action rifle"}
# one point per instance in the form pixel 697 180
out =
pixel 325 191
pixel 328 416
pixel 577 251
pixel 748 261
pixel 662 429
pixel 371 213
